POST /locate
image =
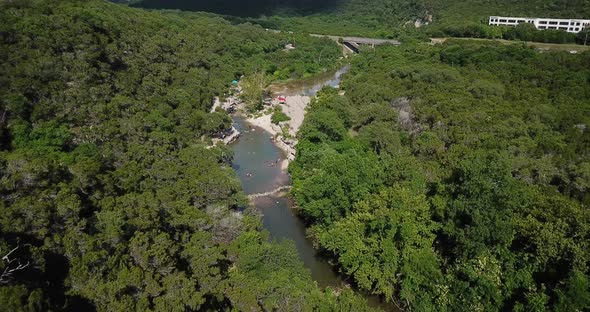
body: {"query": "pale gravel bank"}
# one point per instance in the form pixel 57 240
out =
pixel 294 108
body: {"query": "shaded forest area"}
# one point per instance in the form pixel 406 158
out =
pixel 454 177
pixel 107 185
pixel 338 17
pixel 241 8
pixel 393 18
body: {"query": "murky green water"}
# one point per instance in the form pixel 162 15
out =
pixel 257 163
pixel 311 86
pixel 255 159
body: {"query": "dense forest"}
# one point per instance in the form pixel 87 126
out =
pixel 454 177
pixel 390 18
pixel 450 177
pixel 110 198
pixel 475 10
pixel 338 17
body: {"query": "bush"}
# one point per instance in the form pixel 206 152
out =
pixel 278 116
pixel 524 32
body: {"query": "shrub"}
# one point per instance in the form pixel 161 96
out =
pixel 278 116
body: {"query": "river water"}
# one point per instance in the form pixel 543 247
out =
pixel 311 86
pixel 257 162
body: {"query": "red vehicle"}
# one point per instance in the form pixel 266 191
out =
pixel 282 99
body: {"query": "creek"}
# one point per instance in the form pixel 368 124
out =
pixel 257 162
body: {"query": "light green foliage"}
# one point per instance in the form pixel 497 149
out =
pixel 473 11
pixel 278 116
pixel 468 191
pixel 388 236
pixel 576 295
pixel 253 90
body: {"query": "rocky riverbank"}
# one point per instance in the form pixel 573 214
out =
pixel 294 107
pixel 297 98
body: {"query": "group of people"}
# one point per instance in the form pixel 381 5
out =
pixel 269 163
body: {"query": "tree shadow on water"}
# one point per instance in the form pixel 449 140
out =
pixel 245 8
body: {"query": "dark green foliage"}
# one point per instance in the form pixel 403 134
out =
pixel 240 8
pixel 454 177
pixel 107 184
pixel 522 32
pixel 338 17
pixel 278 116
pixel 394 18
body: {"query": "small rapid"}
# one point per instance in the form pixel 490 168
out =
pixel 270 193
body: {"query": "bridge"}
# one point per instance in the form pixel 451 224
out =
pixel 353 43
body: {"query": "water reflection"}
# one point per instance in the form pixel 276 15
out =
pixel 281 221
pixel 311 86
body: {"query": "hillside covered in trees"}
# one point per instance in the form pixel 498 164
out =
pixel 107 186
pixel 446 178
pixel 454 177
pixel 380 18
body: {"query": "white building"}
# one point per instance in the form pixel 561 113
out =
pixel 569 25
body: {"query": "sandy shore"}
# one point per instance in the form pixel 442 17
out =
pixel 265 123
pixel 276 132
pixel 229 101
pixel 294 108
